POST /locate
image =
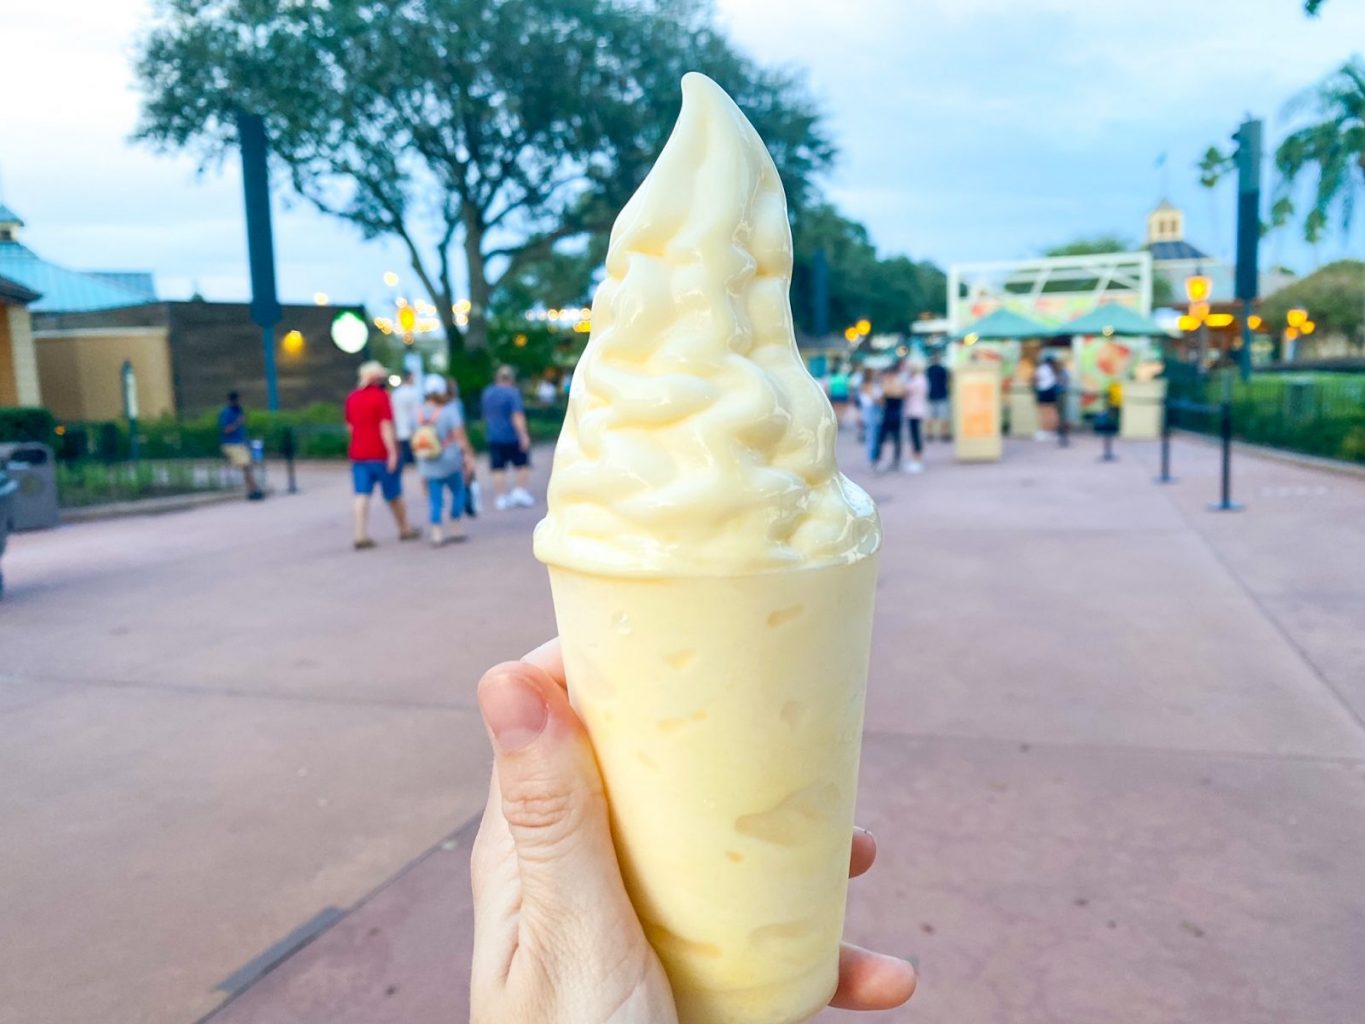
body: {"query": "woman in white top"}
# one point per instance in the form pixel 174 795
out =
pixel 916 409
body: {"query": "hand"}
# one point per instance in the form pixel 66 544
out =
pixel 556 940
pixel 392 462
pixel 524 440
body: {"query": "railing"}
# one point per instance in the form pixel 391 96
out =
pixel 1317 413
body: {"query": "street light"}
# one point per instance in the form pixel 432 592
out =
pixel 1197 287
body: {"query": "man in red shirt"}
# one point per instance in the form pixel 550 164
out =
pixel 373 451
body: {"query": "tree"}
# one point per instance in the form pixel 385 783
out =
pixel 490 132
pixel 1162 293
pixel 1333 295
pixel 1333 145
pixel 1091 246
pixel 891 292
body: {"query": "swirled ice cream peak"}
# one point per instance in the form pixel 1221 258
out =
pixel 696 443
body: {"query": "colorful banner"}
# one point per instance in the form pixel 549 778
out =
pixel 1055 308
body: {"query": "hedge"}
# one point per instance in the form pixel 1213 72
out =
pixel 319 433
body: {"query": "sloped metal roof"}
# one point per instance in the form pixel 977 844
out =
pixel 62 290
pixel 1181 250
pixel 15 293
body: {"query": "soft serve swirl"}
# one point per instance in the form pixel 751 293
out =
pixel 696 443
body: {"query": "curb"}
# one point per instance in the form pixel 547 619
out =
pixel 148 506
pixel 1300 459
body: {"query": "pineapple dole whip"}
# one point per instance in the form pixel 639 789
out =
pixel 713 576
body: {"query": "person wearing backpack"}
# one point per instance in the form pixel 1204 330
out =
pixel 441 448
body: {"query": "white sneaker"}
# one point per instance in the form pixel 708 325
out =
pixel 502 502
pixel 522 498
pixel 915 467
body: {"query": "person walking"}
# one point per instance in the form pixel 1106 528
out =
pixel 509 440
pixel 916 409
pixel 892 415
pixel 870 416
pixel 1045 390
pixel 406 399
pixel 443 456
pixel 373 451
pixel 839 393
pixel 235 444
pixel 940 411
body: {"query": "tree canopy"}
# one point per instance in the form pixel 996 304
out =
pixel 1331 147
pixel 891 292
pixel 482 132
pixel 1333 295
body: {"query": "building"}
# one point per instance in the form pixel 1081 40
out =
pixel 1176 260
pixel 185 355
pixel 18 362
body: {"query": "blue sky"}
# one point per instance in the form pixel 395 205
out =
pixel 969 129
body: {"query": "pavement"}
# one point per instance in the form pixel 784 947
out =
pixel 1114 758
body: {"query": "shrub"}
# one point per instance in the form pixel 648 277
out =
pixel 27 423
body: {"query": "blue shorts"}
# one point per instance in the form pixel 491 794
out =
pixel 367 473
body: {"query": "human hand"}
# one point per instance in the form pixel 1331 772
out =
pixel 556 940
pixel 392 463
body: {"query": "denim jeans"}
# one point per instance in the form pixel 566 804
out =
pixel 436 490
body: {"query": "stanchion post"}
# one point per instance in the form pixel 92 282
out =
pixel 1110 428
pixel 1165 477
pixel 287 448
pixel 1225 502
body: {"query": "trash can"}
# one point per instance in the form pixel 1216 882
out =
pixel 7 490
pixel 32 467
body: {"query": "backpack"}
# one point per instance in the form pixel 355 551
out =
pixel 425 441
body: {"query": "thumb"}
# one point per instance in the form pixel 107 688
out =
pixel 552 799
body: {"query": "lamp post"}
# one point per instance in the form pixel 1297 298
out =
pixel 128 380
pixel 1297 324
pixel 1197 288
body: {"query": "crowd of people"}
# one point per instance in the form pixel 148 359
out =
pixel 903 401
pixel 422 423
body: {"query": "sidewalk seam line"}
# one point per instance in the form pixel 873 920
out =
pixel 1344 760
pixel 465 830
pixel 227 691
pixel 1269 617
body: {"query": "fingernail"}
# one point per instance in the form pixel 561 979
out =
pixel 514 712
pixel 863 832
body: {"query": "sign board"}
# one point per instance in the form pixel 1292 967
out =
pixel 976 413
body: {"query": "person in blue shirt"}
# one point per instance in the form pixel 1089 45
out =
pixel 236 447
pixel 509 440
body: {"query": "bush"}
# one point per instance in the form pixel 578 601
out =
pixel 1315 413
pixel 27 423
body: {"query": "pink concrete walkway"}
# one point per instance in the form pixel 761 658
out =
pixel 1115 755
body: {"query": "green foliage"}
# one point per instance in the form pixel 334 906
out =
pixel 502 128
pixel 1333 295
pixel 1332 146
pixel 82 484
pixel 1092 246
pixel 890 292
pixel 1314 413
pixel 27 423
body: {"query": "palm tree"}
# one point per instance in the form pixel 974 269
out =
pixel 1335 145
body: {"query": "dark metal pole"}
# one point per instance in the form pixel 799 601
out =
pixel 129 381
pixel 287 449
pixel 1165 477
pixel 265 305
pixel 1225 503
pixel 1247 280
